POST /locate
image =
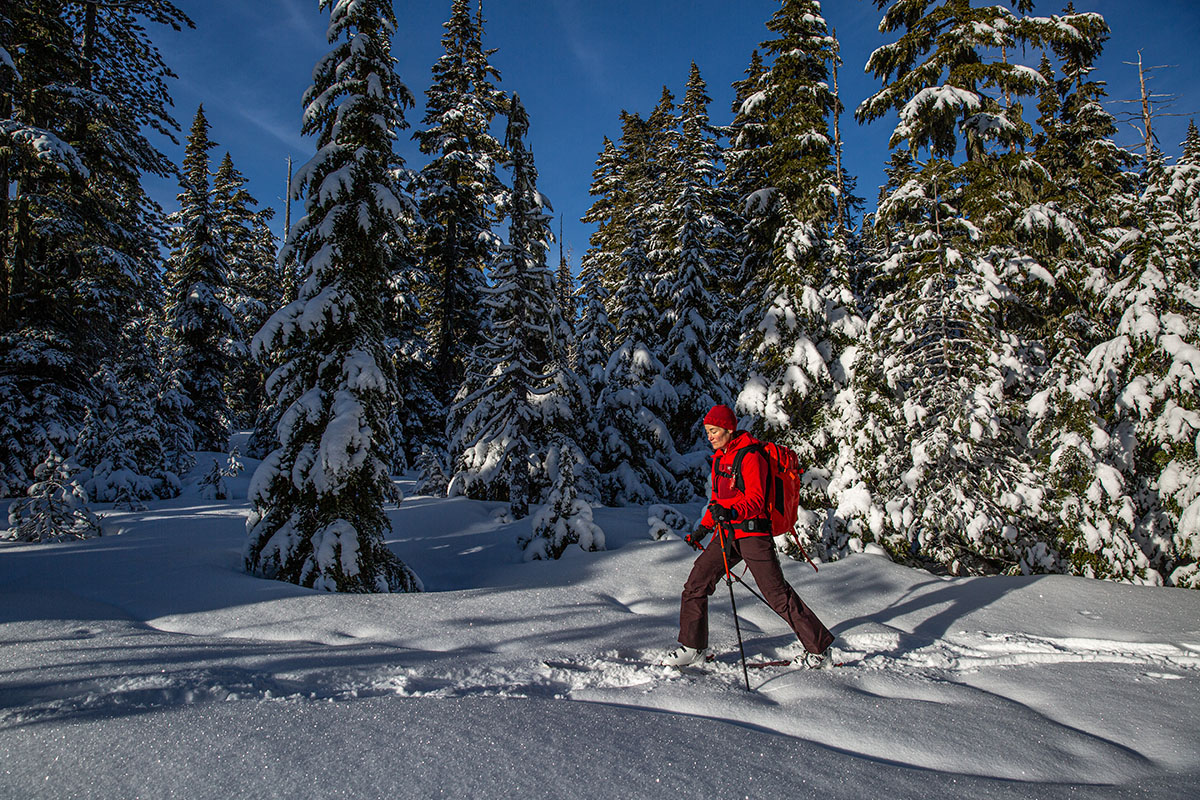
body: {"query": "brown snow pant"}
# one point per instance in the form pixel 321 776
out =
pixel 760 556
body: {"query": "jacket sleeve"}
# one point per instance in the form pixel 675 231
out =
pixel 752 502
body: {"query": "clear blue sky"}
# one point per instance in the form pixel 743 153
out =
pixel 577 64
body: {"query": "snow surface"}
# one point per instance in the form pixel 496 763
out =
pixel 147 664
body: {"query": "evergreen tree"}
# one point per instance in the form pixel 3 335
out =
pixel 935 382
pixel 255 286
pixel 1078 194
pixel 802 320
pixel 1146 374
pixel 202 326
pixel 172 404
pixel 119 443
pixel 595 331
pixel 656 175
pixel 457 188
pixel 565 518
pixel 54 508
pixel 318 500
pixel 80 87
pixel 751 197
pixel 619 329
pixel 505 413
pixel 637 459
pixel 691 365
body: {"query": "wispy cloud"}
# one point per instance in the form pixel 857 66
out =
pixel 582 43
pixel 285 131
pixel 302 17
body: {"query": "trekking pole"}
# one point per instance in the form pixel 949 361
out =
pixel 750 589
pixel 737 626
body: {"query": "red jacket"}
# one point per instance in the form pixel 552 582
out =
pixel 750 503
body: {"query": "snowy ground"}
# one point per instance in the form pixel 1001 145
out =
pixel 146 664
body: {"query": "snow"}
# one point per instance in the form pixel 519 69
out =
pixel 936 100
pixel 149 664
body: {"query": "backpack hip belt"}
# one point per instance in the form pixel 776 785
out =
pixel 760 525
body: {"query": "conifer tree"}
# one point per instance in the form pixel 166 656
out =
pixel 1078 194
pixel 175 430
pixel 499 433
pixel 202 326
pixel 934 382
pixel 417 418
pixel 79 90
pixel 656 186
pixel 318 500
pixel 255 287
pixel 457 187
pixel 1147 373
pixel 595 331
pixel 636 455
pixel 55 507
pixel 119 445
pixel 566 518
pixel 751 197
pixel 802 318
pixel 518 408
pixel 691 364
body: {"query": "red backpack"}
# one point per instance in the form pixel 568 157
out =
pixel 782 490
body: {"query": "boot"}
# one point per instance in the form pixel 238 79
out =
pixel 683 656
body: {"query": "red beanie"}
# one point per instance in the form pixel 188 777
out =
pixel 722 417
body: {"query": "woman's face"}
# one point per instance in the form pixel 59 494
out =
pixel 718 437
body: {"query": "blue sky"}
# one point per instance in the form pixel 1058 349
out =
pixel 577 64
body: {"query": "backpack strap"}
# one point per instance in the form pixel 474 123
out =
pixel 736 471
pixel 762 525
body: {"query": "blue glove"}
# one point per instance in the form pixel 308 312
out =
pixel 722 514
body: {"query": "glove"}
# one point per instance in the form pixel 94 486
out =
pixel 697 537
pixel 722 514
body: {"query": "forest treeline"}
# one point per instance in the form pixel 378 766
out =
pixel 993 371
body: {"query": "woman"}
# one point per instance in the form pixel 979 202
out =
pixel 734 510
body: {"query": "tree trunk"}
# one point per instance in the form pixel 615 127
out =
pixel 1146 115
pixel 837 140
pixel 5 277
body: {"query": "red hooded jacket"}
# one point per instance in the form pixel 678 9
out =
pixel 750 503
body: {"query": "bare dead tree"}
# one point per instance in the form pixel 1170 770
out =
pixel 1151 105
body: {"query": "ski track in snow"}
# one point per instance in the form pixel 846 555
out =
pixel 856 655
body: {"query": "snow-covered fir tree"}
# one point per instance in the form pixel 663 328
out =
pixel 417 418
pixel 317 515
pixel 656 171
pixel 499 430
pixel 119 445
pixel 743 180
pixel 801 322
pixel 175 429
pixel 1078 193
pixel 214 484
pixel 939 439
pixel 456 193
pixel 79 87
pixel 55 507
pixel 565 518
pixel 636 453
pixel 201 324
pixel 1147 373
pixel 255 286
pixel 594 329
pixel 692 282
